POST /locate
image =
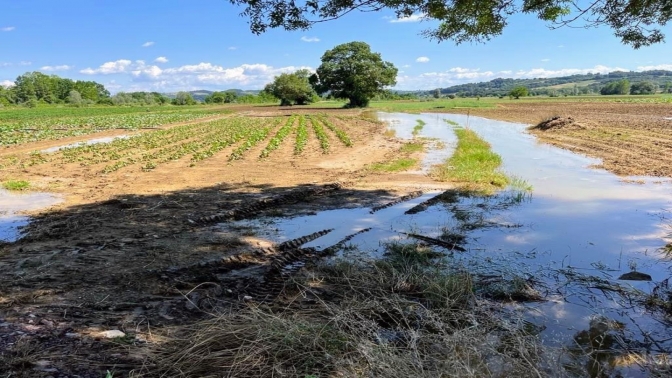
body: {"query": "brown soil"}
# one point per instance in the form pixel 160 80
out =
pixel 133 251
pixel 631 139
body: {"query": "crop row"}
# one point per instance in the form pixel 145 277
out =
pixel 280 136
pixel 321 135
pixel 340 134
pixel 57 128
pixel 196 142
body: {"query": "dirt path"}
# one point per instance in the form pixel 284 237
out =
pixel 631 139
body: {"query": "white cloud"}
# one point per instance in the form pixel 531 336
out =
pixel 412 18
pixel 147 44
pixel 204 75
pixel 118 66
pixel 406 66
pixel 7 28
pixel 658 67
pixel 25 63
pixel 546 60
pixel 63 67
pixel 422 59
pixel 310 39
pixel 161 59
pixel 561 46
pixel 6 83
pixel 544 73
pixel 5 64
pixel 233 48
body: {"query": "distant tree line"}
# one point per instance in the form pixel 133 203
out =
pixel 33 88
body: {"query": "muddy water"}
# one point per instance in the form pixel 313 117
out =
pixel 579 222
pixel 12 206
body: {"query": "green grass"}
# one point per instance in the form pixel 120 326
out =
pixel 16 185
pixel 412 147
pixel 418 127
pixel 473 164
pixel 451 122
pixel 401 164
pixel 417 106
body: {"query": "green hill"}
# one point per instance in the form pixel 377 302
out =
pixel 574 84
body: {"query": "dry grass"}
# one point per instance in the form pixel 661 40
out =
pixel 397 317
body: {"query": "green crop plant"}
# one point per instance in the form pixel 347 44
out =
pixel 301 136
pixel 340 134
pixel 321 135
pixel 276 141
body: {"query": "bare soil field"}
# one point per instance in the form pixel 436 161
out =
pixel 630 138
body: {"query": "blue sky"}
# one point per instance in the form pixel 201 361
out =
pixel 178 45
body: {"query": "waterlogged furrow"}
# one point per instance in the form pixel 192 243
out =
pixel 321 135
pixel 279 137
pixel 340 134
pixel 255 136
pixel 301 136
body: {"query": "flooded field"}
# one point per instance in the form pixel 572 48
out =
pixel 577 232
pixel 578 262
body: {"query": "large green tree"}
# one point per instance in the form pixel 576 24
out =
pixel 352 71
pixel 292 88
pixel 636 22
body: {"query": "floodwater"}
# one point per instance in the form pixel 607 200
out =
pixel 84 143
pixel 578 222
pixel 11 207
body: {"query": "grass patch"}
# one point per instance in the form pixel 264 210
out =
pixel 16 185
pixel 418 128
pixel 401 164
pixel 451 122
pixel 473 164
pixel 406 315
pixel 418 106
pixel 412 147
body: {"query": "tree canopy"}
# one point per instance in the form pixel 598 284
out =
pixel 636 23
pixel 518 92
pixel 292 88
pixel 221 97
pixel 352 71
pixel 36 87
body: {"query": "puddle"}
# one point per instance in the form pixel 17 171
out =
pixel 11 205
pixel 578 221
pixel 84 143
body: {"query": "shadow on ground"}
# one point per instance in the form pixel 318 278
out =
pixel 136 264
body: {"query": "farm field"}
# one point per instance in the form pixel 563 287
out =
pixel 136 244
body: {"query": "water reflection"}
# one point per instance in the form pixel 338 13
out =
pixel 12 204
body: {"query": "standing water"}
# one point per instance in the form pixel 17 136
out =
pixel 580 230
pixel 11 207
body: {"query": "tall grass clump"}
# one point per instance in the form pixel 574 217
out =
pixel 418 127
pixel 406 315
pixel 474 164
pixel 16 185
